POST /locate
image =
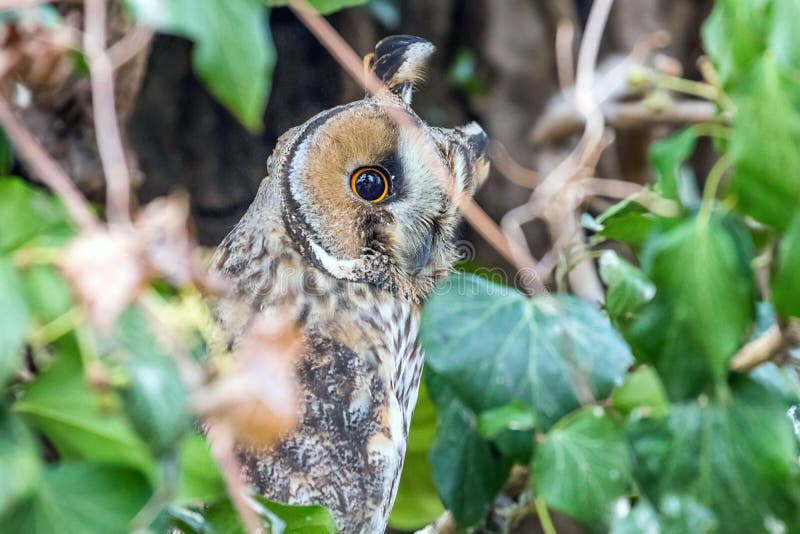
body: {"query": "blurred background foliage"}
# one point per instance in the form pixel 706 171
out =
pixel 548 414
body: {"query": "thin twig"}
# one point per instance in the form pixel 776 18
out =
pixel 761 349
pixel 223 448
pixel 565 34
pixel 109 140
pixel 44 168
pixel 561 123
pixel 20 4
pixel 131 44
pixel 509 168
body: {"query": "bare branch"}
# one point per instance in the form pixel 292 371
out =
pixel 19 4
pixel 109 140
pixel 130 46
pixel 565 34
pixel 223 448
pixel 44 168
pixel 560 123
pixel 764 348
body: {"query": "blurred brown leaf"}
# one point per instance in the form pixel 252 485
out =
pixel 259 398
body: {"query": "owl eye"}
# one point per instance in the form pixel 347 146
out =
pixel 370 183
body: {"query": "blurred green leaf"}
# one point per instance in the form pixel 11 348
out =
pixel 736 456
pixel 512 416
pixel 467 471
pixel 81 497
pixel 704 305
pixel 642 391
pixel 323 6
pixel 60 404
pixel 20 467
pixel 15 319
pixel 46 292
pixel 628 289
pixel 734 35
pixel 26 213
pixel 155 396
pixel 494 346
pixel 417 502
pixel 233 51
pixel 199 478
pixel 782 31
pixel 582 466
pixel 626 221
pixel 155 401
pixel 641 519
pixel 763 144
pixel 783 382
pixel 280 518
pixel 297 519
pixel 785 280
pixel 667 158
pixel 678 515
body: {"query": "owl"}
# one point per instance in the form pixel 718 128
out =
pixel 349 233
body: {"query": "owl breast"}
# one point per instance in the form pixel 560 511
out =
pixel 359 377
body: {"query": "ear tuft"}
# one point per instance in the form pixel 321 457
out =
pixel 399 61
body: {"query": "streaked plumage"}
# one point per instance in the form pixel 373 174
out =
pixel 354 275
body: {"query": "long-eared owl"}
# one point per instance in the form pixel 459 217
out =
pixel 349 232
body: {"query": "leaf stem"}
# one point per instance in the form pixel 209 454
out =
pixel 711 187
pixel 58 327
pixel 544 516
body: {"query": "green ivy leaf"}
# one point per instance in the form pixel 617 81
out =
pixel 61 405
pixel 279 518
pixel 20 468
pixel 736 457
pixel 26 212
pixel 324 7
pixel 667 158
pixel 15 319
pixel 642 392
pixel 704 306
pixel 81 497
pixel 764 180
pixel 583 465
pixel 417 502
pixel 786 279
pixel 233 51
pixel 628 287
pixel 467 471
pixel 494 346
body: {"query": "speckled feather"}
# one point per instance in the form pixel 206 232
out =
pixel 354 276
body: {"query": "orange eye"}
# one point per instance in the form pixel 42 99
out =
pixel 370 183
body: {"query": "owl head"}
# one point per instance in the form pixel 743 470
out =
pixel 368 190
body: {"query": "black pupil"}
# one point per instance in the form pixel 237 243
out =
pixel 369 185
